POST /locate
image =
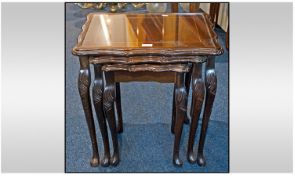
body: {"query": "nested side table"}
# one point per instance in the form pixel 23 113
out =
pixel 147 47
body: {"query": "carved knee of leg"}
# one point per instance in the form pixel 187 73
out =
pixel 84 82
pixel 97 92
pixel 181 96
pixel 211 81
pixel 198 89
pixel 108 98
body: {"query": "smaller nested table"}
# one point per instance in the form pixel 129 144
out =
pixel 163 47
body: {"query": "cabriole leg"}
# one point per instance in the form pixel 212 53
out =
pixel 181 108
pixel 118 109
pixel 84 88
pixel 187 85
pixel 186 120
pixel 211 85
pixel 108 105
pixel 173 112
pixel 97 100
pixel 197 101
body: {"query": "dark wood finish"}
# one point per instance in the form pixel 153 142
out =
pixel 161 77
pixel 149 47
pixel 174 7
pixel 153 52
pixel 214 14
pixel 114 74
pixel 147 59
pixel 187 85
pixel 108 106
pixel 173 121
pixel 193 7
pixel 214 11
pixel 188 80
pixel 197 100
pixel 211 85
pixel 227 38
pixel 147 67
pixel 118 108
pixel 84 88
pixel 97 92
pixel 154 68
pixel 181 108
pixel 217 12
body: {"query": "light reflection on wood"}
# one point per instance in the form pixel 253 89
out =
pixel 153 30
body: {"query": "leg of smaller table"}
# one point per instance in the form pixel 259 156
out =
pixel 108 105
pixel 188 80
pixel 181 108
pixel 211 84
pixel 197 101
pixel 174 112
pixel 97 92
pixel 187 85
pixel 84 88
pixel 118 109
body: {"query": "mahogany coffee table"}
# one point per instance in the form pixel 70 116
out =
pixel 162 47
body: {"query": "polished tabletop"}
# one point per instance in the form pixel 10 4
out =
pixel 148 31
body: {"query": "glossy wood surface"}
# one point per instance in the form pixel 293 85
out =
pixel 128 34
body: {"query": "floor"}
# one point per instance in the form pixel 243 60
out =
pixel 146 144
